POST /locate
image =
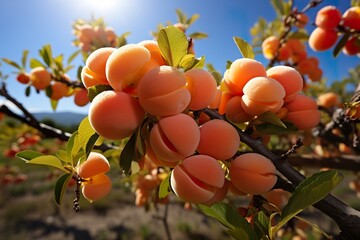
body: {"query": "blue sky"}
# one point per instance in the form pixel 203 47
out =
pixel 40 22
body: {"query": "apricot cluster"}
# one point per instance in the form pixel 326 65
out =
pixel 90 37
pixel 95 184
pixel 292 51
pixel 142 84
pixel 251 90
pixel 330 24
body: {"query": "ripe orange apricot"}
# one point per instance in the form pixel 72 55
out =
pixel 351 18
pixel 156 57
pixel 156 161
pixel 93 73
pixel 315 75
pixel 270 46
pixel 328 100
pixel 301 20
pixel 240 72
pixel 303 112
pixel 218 139
pixel 202 87
pixel 234 111
pixel 126 66
pixel 252 173
pixel 162 91
pixel 351 47
pixel 328 17
pixel 59 90
pixel 308 65
pixel 197 179
pixel 86 33
pixel 322 39
pixel 219 195
pixel 81 97
pixel 95 164
pixel 23 78
pixel 40 78
pixel 289 78
pixel 175 137
pixel 262 94
pixel 115 115
pixel 97 187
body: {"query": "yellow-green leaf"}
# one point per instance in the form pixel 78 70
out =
pixel 61 186
pixel 48 160
pixel 245 48
pixel 173 45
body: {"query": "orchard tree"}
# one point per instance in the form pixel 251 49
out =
pixel 179 127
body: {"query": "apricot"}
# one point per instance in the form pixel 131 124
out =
pixel 59 90
pixel 175 137
pixel 322 39
pixel 126 66
pixel 111 36
pixel 95 164
pixel 252 173
pixel 156 161
pixel 351 47
pixel 197 179
pixel 217 99
pixel 220 194
pixel 262 94
pixel 301 20
pixel 278 197
pixel 328 100
pixel 315 75
pixel 202 87
pixel 98 187
pixel 40 78
pixel 296 46
pixel 218 139
pixel 81 97
pixel 115 115
pixel 328 17
pixel 23 78
pixel 234 111
pixel 303 112
pixel 289 78
pixel 270 47
pixel 86 33
pixel 162 91
pixel 351 18
pixel 93 73
pixel 240 72
pixel 156 57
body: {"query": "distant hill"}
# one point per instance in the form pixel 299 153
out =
pixel 62 118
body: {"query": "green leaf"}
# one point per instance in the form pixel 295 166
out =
pixel 192 19
pixel 48 160
pixel 270 129
pixel 181 16
pixel 61 186
pixel 73 147
pixel 198 35
pixel 78 73
pixel 11 63
pixel 261 224
pixel 279 7
pixel 271 117
pixel 28 91
pixel 245 48
pixel 299 35
pixel 240 234
pixel 27 155
pixel 230 218
pixel 164 188
pixel 95 90
pixel 62 155
pixel 54 104
pixel 309 192
pixel 355 3
pixel 36 63
pixel 46 54
pixel 341 44
pixel 128 154
pixel 24 58
pixel 73 56
pixel 87 136
pixel 173 45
